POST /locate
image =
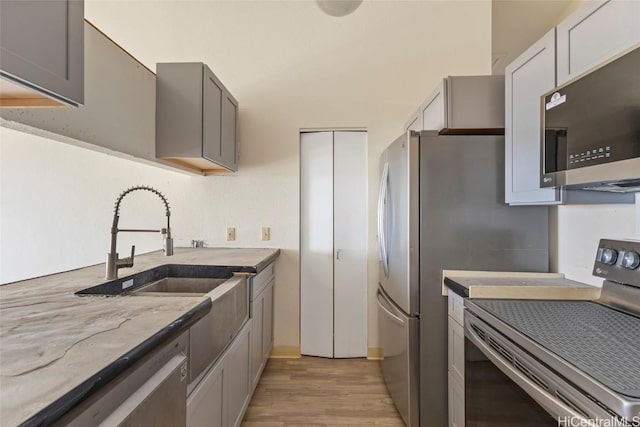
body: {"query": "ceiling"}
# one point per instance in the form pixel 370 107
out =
pixel 517 24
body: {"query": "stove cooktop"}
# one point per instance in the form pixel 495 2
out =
pixel 601 342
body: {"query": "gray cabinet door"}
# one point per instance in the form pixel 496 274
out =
pixel 229 154
pixel 257 327
pixel 212 117
pixel 527 78
pixel 594 33
pixel 414 122
pixel 267 322
pixel 456 403
pixel 205 406
pixel 42 46
pixel 236 385
pixel 432 110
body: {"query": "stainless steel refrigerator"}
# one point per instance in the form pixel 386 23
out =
pixel 441 206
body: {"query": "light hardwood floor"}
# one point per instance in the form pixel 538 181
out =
pixel 314 391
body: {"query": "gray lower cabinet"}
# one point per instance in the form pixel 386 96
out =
pixel 236 387
pixel 196 118
pixel 456 403
pixel 456 360
pixel 223 395
pixel 262 322
pixel 42 50
pixel 221 398
pixel 205 405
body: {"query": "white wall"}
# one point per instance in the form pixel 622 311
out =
pixel 580 228
pixel 291 67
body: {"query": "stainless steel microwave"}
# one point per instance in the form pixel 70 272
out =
pixel 591 129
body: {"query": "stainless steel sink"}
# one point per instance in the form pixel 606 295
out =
pixel 195 286
pixel 170 279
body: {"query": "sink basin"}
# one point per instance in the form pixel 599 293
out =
pixel 180 285
pixel 167 279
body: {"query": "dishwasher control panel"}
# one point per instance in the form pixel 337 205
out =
pixel 618 261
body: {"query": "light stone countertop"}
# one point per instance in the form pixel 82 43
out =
pixel 51 340
pixel 519 285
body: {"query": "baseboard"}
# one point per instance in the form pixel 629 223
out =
pixel 285 352
pixel 293 352
pixel 374 353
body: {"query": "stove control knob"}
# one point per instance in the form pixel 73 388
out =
pixel 609 256
pixel 631 260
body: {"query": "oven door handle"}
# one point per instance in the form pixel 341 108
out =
pixel 555 406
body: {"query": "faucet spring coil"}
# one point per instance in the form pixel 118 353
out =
pixel 141 187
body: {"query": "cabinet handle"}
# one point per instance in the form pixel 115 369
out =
pixel 338 254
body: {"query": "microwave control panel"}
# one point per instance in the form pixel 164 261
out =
pixel 589 157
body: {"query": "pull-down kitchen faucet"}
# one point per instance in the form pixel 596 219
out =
pixel 113 262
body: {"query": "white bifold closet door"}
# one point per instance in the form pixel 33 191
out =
pixel 333 244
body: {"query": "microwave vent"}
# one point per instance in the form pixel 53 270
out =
pixel 631 186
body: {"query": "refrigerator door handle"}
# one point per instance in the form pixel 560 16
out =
pixel 382 219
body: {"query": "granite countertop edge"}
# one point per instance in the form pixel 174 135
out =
pixel 456 287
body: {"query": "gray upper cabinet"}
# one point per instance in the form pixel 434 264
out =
pixel 462 104
pixel 594 33
pixel 229 145
pixel 432 113
pixel 526 79
pixel 414 122
pixel 583 41
pixel 196 118
pixel 472 102
pixel 212 117
pixel 42 51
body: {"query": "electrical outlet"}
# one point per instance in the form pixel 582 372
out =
pixel 266 233
pixel 231 234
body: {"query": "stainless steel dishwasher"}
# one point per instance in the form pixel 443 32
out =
pixel 150 393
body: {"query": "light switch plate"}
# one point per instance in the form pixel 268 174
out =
pixel 231 234
pixel 266 233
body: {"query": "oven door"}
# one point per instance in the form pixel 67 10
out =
pixel 506 386
pixel 493 399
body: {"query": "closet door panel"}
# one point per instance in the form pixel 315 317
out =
pixel 316 244
pixel 350 244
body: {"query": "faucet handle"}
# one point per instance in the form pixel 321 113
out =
pixel 127 262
